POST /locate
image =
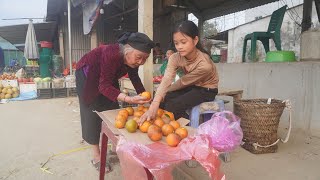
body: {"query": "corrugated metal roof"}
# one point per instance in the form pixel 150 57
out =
pixel 17 34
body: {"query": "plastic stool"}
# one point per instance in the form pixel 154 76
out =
pixel 194 117
pixel 196 112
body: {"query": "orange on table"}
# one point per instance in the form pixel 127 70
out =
pixel 145 126
pixel 121 117
pixel 131 126
pixel 159 122
pixel 145 109
pixel 136 118
pixel 174 124
pixel 182 132
pixel 140 108
pixel 160 112
pixel 154 133
pixel 124 112
pixel 130 110
pixel 165 119
pixel 170 114
pixel 138 113
pixel 173 139
pixel 167 129
pixel 146 94
pixel 119 124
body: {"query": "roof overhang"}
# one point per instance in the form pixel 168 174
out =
pixel 16 34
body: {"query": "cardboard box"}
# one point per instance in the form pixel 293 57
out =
pixel 109 118
pixel 27 87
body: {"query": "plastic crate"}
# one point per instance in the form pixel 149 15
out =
pixel 71 92
pixel 70 84
pixel 43 85
pixel 44 93
pixel 59 93
pixel 59 85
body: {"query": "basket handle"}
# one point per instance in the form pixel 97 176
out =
pixel 289 107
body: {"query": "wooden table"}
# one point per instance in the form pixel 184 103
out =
pixel 109 132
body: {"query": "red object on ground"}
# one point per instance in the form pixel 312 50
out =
pixel 46 44
pixel 224 55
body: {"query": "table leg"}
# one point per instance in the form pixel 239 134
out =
pixel 149 175
pixel 103 155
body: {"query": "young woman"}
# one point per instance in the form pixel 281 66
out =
pixel 97 77
pixel 199 82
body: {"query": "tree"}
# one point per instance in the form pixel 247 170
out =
pixel 209 28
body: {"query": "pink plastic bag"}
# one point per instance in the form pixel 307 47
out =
pixel 221 133
pixel 224 131
pixel 159 158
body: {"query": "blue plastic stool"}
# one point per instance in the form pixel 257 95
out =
pixel 194 117
pixel 195 113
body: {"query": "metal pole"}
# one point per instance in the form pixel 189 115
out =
pixel 69 35
pixel 306 18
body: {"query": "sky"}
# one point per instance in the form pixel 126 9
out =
pixel 22 9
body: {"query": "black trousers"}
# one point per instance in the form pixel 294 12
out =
pixel 179 101
pixel 90 121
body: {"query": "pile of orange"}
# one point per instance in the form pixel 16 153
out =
pixel 163 125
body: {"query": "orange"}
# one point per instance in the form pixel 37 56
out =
pixel 131 126
pixel 170 114
pixel 173 139
pixel 182 132
pixel 119 124
pixel 145 126
pixel 146 94
pixel 174 124
pixel 121 118
pixel 124 112
pixel 166 119
pixel 130 110
pixel 154 133
pixel 145 109
pixel 167 129
pixel 138 113
pixel 140 108
pixel 136 118
pixel 159 122
pixel 160 112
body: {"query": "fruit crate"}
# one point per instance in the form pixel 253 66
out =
pixel 44 93
pixel 58 85
pixel 43 85
pixel 72 92
pixel 70 84
pixel 59 92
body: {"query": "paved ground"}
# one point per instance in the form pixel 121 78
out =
pixel 32 131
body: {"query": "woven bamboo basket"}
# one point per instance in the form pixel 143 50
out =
pixel 259 123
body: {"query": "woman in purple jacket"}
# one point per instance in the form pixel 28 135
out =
pixel 97 78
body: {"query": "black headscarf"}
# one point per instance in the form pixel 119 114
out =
pixel 137 40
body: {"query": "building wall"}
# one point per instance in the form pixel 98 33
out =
pixel 290 36
pixel 80 43
pixel 298 82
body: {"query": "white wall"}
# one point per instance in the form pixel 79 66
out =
pixel 290 36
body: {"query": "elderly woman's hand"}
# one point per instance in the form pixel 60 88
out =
pixel 137 100
pixel 150 114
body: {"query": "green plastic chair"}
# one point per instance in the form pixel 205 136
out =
pixel 272 33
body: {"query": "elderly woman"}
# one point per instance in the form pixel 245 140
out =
pixel 97 78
